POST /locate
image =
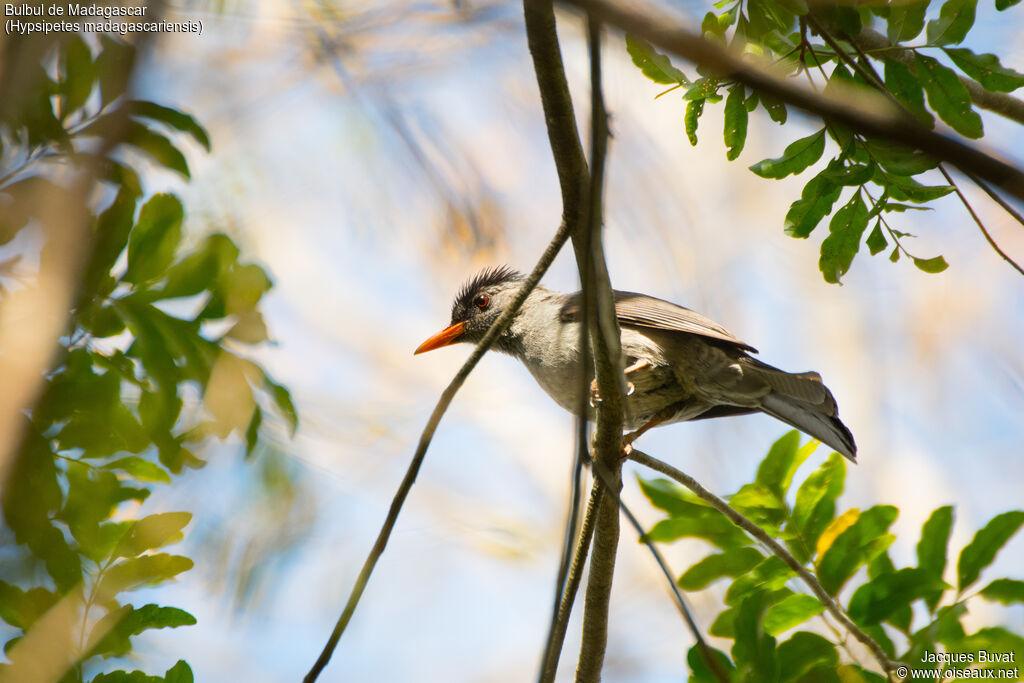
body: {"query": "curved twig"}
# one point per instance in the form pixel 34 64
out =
pixel 977 219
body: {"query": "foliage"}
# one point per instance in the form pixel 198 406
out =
pixel 910 611
pixel 866 180
pixel 139 385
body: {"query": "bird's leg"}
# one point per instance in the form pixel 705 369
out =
pixel 628 439
pixel 595 396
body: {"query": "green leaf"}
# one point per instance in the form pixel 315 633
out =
pixel 136 572
pixel 252 434
pixel 156 146
pixel 111 635
pixel 876 240
pixel 815 505
pixel 701 672
pixel 173 118
pixel 201 269
pixel 906 88
pixel 792 611
pixel 113 66
pixel 762 505
pixel 78 73
pixel 855 546
pixel 931 265
pixel 906 20
pixel 121 676
pixel 1003 652
pixel 709 525
pixel 155 238
pixel 784 458
pixel 948 96
pixel 179 673
pixel 986 69
pixel 140 468
pixel 845 230
pixel 735 122
pixel 653 64
pixel 776 108
pixel 154 531
pixel 1004 4
pixel 901 161
pixel 796 157
pixel 21 608
pixel 904 188
pixel 855 174
pixel 1006 591
pixel 980 552
pixel 283 400
pixel 884 595
pixel 732 562
pixel 771 574
pixel 694 108
pixel 753 649
pixel 671 497
pixel 704 89
pixel 955 19
pixel 805 652
pixel 814 204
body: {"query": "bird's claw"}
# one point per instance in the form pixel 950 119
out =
pixel 595 395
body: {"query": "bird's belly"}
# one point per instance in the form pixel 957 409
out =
pixel 656 392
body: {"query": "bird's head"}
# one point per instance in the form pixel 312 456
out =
pixel 477 305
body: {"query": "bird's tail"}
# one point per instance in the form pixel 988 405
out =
pixel 801 400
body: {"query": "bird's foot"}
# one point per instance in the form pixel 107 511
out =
pixel 595 395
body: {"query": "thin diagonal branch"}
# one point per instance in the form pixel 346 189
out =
pixel 977 219
pixel 869 118
pixel 761 535
pixel 499 326
pixel 567 593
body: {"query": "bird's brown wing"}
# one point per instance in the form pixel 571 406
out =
pixel 640 310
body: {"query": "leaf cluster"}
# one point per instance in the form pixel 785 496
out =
pixel 151 364
pixel 866 180
pixel 909 611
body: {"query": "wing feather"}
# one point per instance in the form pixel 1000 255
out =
pixel 639 310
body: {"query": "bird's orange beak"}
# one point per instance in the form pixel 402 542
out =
pixel 445 337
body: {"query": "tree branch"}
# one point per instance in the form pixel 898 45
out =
pixel 977 219
pixel 1005 105
pixel 881 121
pixel 761 535
pixel 499 326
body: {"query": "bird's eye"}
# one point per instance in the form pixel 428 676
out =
pixel 482 302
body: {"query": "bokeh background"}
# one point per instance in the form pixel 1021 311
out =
pixel 373 155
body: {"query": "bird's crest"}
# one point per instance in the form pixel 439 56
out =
pixel 488 277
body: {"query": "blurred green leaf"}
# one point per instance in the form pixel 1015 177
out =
pixel 845 231
pixel 136 572
pixel 768 575
pixel 121 676
pixel 761 505
pixel 948 96
pixel 701 672
pixel 78 73
pixel 955 19
pixel 735 122
pixel 708 524
pixel 877 599
pixel 803 653
pixel 172 117
pixel 154 531
pixel 732 562
pixel 986 69
pixel 795 159
pixel 113 66
pixel 671 497
pixel 784 458
pixel 21 608
pixel 181 672
pixel 115 629
pixel 753 650
pixel 283 400
pixel 156 146
pixel 140 468
pixel 653 64
pixel 1004 4
pixel 1006 591
pixel 815 505
pixel 908 189
pixel 855 546
pixel 790 612
pixel 980 552
pixel 932 548
pixel 201 268
pixel 900 161
pixel 252 434
pixel 155 238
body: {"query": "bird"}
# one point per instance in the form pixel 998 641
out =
pixel 679 364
